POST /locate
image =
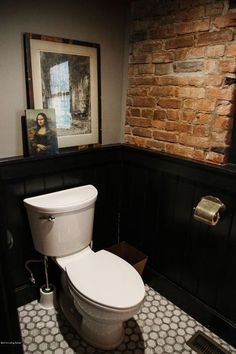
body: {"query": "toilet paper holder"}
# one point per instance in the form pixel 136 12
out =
pixel 209 210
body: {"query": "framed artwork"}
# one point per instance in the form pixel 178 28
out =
pixel 41 132
pixel 65 75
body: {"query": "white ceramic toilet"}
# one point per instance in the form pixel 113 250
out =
pixel 99 289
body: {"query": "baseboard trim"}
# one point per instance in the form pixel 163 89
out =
pixel 25 294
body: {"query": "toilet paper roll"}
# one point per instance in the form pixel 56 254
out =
pixel 208 210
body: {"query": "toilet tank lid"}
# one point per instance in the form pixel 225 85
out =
pixel 63 201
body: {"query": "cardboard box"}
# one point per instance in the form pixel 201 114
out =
pixel 130 254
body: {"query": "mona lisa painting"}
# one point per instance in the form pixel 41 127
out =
pixel 41 132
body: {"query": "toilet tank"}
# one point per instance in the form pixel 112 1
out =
pixel 62 222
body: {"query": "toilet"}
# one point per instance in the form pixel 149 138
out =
pixel 100 291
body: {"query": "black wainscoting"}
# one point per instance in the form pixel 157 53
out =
pixel 145 198
pixel 30 176
pixel 188 257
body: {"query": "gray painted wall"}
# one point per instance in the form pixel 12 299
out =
pixel 102 22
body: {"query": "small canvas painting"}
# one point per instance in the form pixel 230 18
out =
pixel 41 132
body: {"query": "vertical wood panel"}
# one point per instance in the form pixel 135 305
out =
pixel 197 257
pixel 133 226
pixel 107 181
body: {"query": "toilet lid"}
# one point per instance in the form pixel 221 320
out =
pixel 107 279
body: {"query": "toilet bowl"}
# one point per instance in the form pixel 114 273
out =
pixel 106 291
pixel 99 289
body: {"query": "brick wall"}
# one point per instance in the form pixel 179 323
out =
pixel 179 100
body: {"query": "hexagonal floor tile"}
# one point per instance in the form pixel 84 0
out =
pixel 159 327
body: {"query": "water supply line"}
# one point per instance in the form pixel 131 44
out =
pixel 32 279
pixel 46 273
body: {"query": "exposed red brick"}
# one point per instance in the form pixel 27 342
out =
pixel 168 80
pixel 160 91
pixel 189 53
pixel 199 155
pixel 203 118
pixel 172 114
pixel 127 130
pixel 147 113
pixel 139 122
pixel 214 80
pixel 212 66
pixel 189 66
pixel 180 42
pixel 138 81
pixel 225 109
pixel 163 69
pixel 223 123
pixel 214 9
pixel 144 132
pixel 221 93
pixel 196 141
pixel 215 51
pixel 215 37
pixel 172 126
pixel 192 92
pixel 144 102
pixel 228 20
pixel 165 136
pixel 201 105
pixel 159 114
pixel 193 26
pixel 151 46
pixel 182 80
pixel 134 140
pixel 169 103
pixel 181 54
pixel 215 157
pixel 159 124
pixel 133 69
pixel 180 150
pixel 178 100
pixel 140 59
pixel 185 128
pixel 221 137
pixel 201 130
pixel 162 57
pixel 146 68
pixel 227 66
pixel 231 50
pixel 129 101
pixel 164 31
pixel 188 116
pixel 135 112
pixel 191 14
pixel 138 91
pixel 154 144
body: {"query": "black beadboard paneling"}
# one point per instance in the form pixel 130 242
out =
pixel 27 177
pixel 147 199
pixel 196 257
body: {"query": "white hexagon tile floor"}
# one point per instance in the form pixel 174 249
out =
pixel 160 327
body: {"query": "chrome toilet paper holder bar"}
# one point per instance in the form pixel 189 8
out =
pixel 209 210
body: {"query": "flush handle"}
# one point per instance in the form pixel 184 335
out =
pixel 50 218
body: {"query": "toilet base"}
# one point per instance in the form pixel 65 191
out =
pixel 103 335
pixel 99 335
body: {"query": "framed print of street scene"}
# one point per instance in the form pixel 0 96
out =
pixel 65 75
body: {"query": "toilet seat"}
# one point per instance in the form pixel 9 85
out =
pixel 106 279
